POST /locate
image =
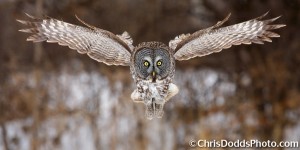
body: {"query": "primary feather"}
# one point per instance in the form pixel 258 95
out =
pixel 214 39
pixel 100 45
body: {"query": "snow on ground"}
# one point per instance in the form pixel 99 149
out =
pixel 206 86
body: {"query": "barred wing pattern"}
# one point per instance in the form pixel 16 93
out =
pixel 214 39
pixel 98 44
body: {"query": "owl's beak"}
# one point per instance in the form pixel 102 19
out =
pixel 153 76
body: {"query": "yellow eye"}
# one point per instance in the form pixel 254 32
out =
pixel 146 63
pixel 159 63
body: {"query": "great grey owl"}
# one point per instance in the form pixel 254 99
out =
pixel 152 64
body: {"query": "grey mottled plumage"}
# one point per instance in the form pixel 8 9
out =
pixel 152 64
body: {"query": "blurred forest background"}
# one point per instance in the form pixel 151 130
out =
pixel 51 97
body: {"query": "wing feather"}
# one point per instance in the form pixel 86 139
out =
pixel 100 45
pixel 215 39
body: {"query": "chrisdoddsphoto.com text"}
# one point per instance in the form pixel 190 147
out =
pixel 201 143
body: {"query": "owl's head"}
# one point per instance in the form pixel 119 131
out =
pixel 152 61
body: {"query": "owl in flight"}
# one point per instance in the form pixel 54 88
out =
pixel 152 64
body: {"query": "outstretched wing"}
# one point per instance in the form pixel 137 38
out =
pixel 214 39
pixel 98 44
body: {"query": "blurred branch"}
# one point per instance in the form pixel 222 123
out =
pixel 4 137
pixel 38 49
pixel 37 99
